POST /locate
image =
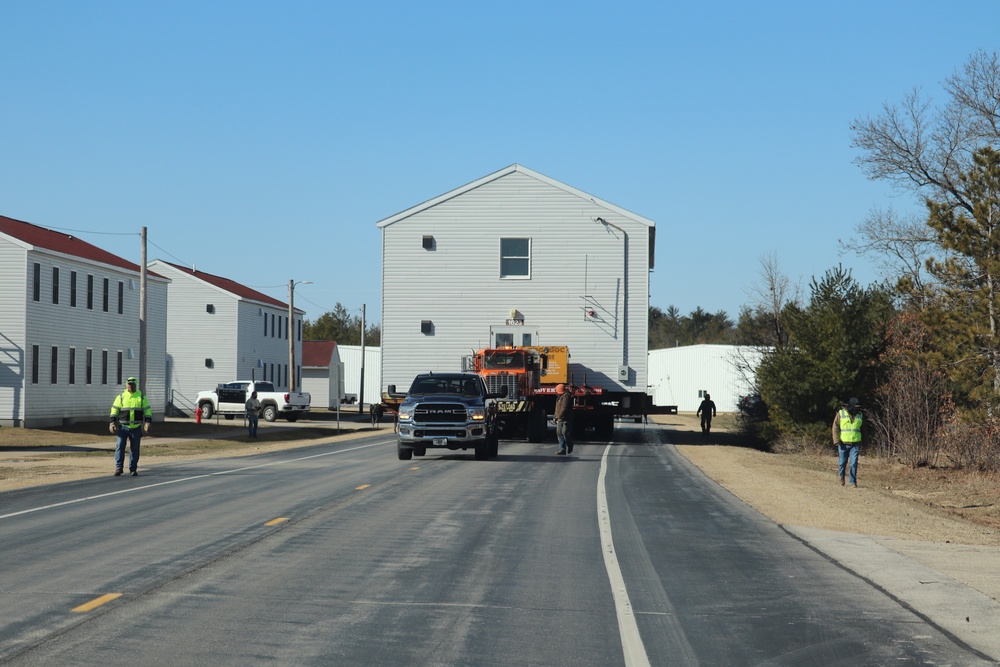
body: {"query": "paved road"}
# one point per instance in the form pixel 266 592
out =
pixel 621 554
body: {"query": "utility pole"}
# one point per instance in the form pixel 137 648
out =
pixel 290 331
pixel 142 314
pixel 361 388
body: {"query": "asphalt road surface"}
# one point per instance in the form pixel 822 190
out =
pixel 340 554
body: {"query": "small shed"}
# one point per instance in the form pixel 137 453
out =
pixel 322 373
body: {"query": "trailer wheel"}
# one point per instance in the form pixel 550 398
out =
pixel 604 426
pixel 270 413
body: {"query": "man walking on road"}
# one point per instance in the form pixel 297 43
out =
pixel 707 411
pixel 564 420
pixel 130 418
pixel 847 438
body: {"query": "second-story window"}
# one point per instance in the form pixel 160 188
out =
pixel 121 297
pixel 90 297
pixel 55 284
pixel 72 289
pixel 107 290
pixel 515 258
pixel 36 293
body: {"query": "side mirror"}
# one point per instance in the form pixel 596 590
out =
pixel 500 394
pixel 392 389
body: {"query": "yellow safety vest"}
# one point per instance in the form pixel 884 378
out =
pixel 850 429
pixel 131 409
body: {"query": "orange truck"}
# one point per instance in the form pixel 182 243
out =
pixel 530 375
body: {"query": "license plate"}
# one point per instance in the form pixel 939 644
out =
pixel 440 442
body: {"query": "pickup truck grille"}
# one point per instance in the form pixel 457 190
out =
pixel 447 413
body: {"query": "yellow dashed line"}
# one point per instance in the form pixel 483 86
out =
pixel 275 522
pixel 362 487
pixel 96 602
pixel 415 468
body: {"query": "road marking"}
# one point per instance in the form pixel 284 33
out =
pixel 634 651
pixel 275 522
pixel 192 478
pixel 362 487
pixel 96 602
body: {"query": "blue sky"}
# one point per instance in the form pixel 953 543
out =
pixel 262 141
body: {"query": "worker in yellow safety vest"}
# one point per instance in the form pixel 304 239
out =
pixel 130 418
pixel 847 438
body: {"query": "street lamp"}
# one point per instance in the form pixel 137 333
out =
pixel 291 331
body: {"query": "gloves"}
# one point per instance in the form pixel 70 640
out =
pixel 113 427
pixel 145 427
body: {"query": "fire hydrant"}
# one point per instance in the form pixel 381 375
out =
pixel 197 416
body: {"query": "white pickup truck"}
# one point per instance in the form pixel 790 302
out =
pixel 229 400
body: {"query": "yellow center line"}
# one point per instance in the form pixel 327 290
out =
pixel 415 468
pixel 275 522
pixel 96 602
pixel 362 487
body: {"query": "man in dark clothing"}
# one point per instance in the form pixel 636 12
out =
pixel 564 420
pixel 707 411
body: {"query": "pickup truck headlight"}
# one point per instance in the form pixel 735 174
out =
pixel 477 414
pixel 405 413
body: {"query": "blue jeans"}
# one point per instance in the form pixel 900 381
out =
pixel 252 423
pixel 564 433
pixel 133 435
pixel 847 453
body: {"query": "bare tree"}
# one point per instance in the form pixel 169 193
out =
pixel 924 149
pixel 899 246
pixel 768 297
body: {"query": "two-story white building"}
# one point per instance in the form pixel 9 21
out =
pixel 70 328
pixel 517 258
pixel 219 330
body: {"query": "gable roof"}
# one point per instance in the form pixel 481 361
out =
pixel 514 168
pixel 230 286
pixel 40 238
pixel 317 353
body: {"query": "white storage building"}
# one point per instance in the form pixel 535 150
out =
pixel 682 375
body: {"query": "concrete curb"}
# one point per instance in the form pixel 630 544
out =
pixel 966 613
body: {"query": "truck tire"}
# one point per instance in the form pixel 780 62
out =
pixel 270 413
pixel 404 454
pixel 292 416
pixel 206 410
pixel 538 425
pixel 419 451
pixel 482 451
pixel 494 445
pixel 230 417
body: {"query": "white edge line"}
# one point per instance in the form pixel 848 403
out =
pixel 186 479
pixel 634 651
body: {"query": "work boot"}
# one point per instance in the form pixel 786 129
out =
pixel 842 482
pixel 118 472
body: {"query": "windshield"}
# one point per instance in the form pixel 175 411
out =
pixel 460 386
pixel 503 360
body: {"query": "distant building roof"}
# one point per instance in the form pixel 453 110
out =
pixel 317 353
pixel 47 239
pixel 230 286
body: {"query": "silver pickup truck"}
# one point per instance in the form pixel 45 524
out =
pixel 448 411
pixel 229 400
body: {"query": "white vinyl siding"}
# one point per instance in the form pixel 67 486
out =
pixel 577 265
pixel 56 328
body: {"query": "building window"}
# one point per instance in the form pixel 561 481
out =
pixel 107 293
pixel 72 365
pixel 90 366
pixel 515 258
pixel 118 370
pixel 272 325
pixel 54 372
pixel 36 294
pixel 121 297
pixel 104 364
pixel 72 289
pixel 265 325
pixel 55 284
pixel 34 364
pixel 90 297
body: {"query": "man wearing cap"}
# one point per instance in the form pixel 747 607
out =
pixel 847 438
pixel 564 420
pixel 130 418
